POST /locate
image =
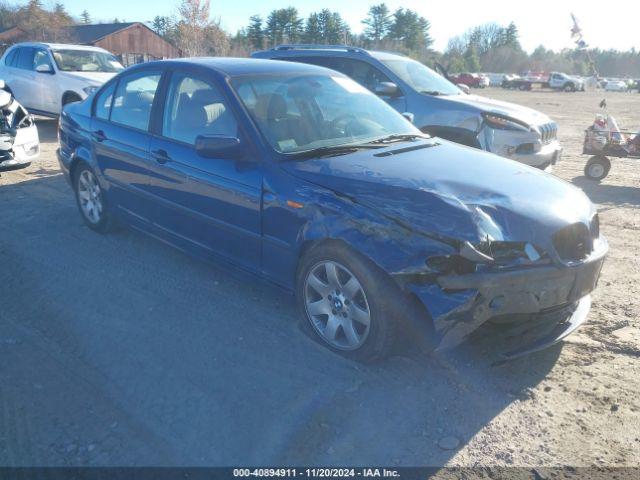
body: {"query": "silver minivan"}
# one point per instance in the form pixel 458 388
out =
pixel 437 106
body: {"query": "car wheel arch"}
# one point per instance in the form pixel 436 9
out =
pixel 69 96
pixel 459 135
pixel 78 158
pixel 415 316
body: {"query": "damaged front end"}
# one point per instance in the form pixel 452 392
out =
pixel 19 143
pixel 540 294
pixel 473 237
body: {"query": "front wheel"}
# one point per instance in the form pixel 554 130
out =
pixel 348 302
pixel 569 87
pixel 597 167
pixel 90 200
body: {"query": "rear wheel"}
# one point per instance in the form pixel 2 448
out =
pixel 348 302
pixel 597 167
pixel 90 200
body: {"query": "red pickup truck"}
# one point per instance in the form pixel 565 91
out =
pixel 472 80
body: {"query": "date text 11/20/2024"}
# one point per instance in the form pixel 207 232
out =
pixel 316 472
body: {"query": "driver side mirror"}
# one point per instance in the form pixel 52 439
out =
pixel 219 146
pixel 387 89
pixel 44 68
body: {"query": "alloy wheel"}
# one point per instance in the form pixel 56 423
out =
pixel 337 306
pixel 90 197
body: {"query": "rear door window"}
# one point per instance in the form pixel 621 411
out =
pixel 10 59
pixel 134 99
pixel 362 72
pixel 103 102
pixel 25 58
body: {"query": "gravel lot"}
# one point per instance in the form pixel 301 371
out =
pixel 118 350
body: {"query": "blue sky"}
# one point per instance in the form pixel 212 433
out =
pixel 546 21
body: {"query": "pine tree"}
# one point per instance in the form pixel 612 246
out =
pixel 85 17
pixel 255 33
pixel 511 36
pixel 312 31
pixel 378 23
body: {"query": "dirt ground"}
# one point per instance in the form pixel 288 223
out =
pixel 118 350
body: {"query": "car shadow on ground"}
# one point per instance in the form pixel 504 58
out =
pixel 198 364
pixel 47 129
pixel 604 193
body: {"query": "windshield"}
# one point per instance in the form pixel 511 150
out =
pixel 299 112
pixel 86 61
pixel 421 78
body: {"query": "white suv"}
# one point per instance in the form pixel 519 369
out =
pixel 45 76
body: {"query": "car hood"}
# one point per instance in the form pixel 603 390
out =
pixel 452 192
pixel 93 78
pixel 485 104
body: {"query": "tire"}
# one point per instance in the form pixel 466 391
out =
pixel 369 308
pixel 522 87
pixel 569 87
pixel 597 167
pixel 88 191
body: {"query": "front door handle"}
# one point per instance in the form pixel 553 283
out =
pixel 160 155
pixel 99 136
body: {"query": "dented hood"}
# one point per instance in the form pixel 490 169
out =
pixel 527 115
pixel 451 191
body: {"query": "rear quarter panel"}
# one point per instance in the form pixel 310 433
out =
pixel 74 132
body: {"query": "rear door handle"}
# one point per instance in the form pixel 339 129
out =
pixel 99 136
pixel 160 155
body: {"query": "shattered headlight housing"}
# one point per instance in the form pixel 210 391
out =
pixel 488 255
pixel 502 253
pixel 502 122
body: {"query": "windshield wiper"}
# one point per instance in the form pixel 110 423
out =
pixel 433 93
pixel 331 150
pixel 400 137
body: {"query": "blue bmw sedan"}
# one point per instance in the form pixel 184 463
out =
pixel 303 177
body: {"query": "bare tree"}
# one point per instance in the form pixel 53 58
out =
pixel 192 25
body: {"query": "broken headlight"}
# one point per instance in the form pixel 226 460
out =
pixel 489 254
pixel 501 122
pixel 508 254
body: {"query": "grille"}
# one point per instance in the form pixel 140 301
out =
pixel 573 242
pixel 549 132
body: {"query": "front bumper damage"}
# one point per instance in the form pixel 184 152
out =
pixel 531 148
pixel 19 142
pixel 543 304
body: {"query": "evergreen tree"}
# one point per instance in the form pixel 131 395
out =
pixel 255 33
pixel 85 17
pixel 283 25
pixel 471 60
pixel 411 30
pixel 161 25
pixel 378 23
pixel 312 31
pixel 511 36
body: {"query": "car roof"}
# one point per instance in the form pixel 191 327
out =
pixel 298 50
pixel 56 46
pixel 233 67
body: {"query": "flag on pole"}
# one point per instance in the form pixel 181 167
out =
pixel 576 31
